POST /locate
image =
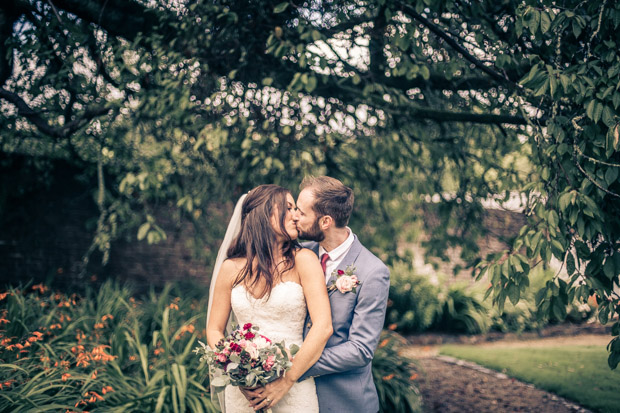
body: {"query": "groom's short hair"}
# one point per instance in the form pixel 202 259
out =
pixel 331 197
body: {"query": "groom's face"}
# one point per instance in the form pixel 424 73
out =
pixel 307 220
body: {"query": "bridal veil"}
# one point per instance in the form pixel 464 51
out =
pixel 231 233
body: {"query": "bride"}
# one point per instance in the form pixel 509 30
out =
pixel 268 280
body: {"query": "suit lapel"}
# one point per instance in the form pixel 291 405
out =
pixel 348 259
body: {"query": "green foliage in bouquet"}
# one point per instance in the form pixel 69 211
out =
pixel 413 300
pixel 104 351
pixel 395 376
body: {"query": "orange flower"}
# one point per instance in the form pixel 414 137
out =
pixel 36 336
pixel 173 306
pixel 99 326
pixel 93 397
pixel 40 287
pixel 158 351
pixel 99 354
pixel 107 317
pixel 94 376
pixel 107 389
pixel 186 329
pixel 3 295
pixel 392 326
pixel 413 376
pixel 5 341
pixel 8 383
pixel 66 376
pixel 384 343
pixel 133 358
pixel 82 360
pixel 4 320
pixel 388 377
pixel 79 348
pixel 55 326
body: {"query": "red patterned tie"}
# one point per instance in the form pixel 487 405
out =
pixel 324 259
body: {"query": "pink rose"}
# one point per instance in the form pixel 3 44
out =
pixel 222 358
pixel 268 364
pixel 345 284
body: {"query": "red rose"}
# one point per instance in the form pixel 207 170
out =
pixel 249 335
pixel 247 326
pixel 340 272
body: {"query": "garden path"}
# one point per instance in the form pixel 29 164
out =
pixel 450 385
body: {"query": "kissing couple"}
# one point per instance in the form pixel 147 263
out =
pixel 328 296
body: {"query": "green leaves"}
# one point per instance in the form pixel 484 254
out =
pixel 280 7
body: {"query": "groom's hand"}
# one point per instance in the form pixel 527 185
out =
pixel 253 394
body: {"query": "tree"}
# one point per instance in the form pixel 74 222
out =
pixel 403 100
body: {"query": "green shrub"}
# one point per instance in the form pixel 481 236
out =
pixel 516 318
pixel 413 300
pixel 462 311
pixel 109 352
pixel 394 376
pixel 105 351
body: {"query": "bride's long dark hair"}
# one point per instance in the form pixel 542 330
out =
pixel 257 240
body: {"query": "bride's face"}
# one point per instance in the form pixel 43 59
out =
pixel 289 219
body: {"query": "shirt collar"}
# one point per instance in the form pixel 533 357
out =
pixel 341 249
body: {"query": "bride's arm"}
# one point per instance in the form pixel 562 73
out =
pixel 313 283
pixel 220 307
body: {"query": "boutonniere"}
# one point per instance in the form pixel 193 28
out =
pixel 346 280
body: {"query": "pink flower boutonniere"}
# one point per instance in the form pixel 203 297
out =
pixel 346 281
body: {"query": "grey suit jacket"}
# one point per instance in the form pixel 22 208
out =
pixel 343 373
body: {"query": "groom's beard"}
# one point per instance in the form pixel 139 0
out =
pixel 313 234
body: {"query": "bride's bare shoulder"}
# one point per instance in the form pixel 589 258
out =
pixel 231 267
pixel 304 255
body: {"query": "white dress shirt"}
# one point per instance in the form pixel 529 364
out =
pixel 336 255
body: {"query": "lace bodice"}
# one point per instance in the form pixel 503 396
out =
pixel 279 316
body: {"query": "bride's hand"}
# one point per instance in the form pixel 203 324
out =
pixel 274 392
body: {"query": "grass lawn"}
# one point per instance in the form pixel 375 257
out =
pixel 576 372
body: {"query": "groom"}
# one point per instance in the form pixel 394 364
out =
pixel 343 374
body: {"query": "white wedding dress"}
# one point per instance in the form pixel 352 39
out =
pixel 280 317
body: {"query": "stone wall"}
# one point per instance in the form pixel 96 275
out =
pixel 47 225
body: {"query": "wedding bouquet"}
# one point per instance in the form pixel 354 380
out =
pixel 245 358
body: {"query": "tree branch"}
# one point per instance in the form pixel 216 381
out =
pixel 26 111
pixel 23 109
pixel 442 116
pixel 454 44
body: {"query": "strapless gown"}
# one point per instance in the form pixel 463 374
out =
pixel 280 317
